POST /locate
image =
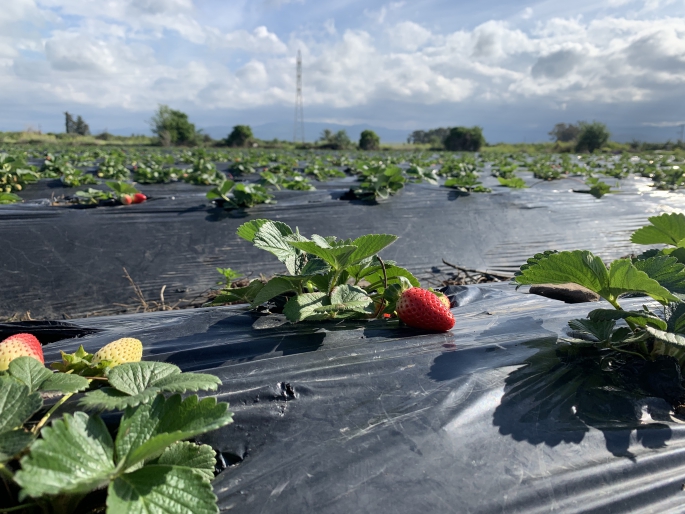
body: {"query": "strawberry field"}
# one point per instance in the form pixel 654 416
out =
pixel 388 328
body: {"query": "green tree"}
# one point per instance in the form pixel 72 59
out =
pixel 241 135
pixel 464 139
pixel 593 136
pixel 172 127
pixel 69 123
pixel 563 133
pixel 338 141
pixel 369 140
pixel 81 127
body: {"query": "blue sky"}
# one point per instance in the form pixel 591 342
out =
pixel 514 68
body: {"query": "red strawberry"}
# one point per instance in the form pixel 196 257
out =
pixel 139 198
pixel 126 199
pixel 20 345
pixel 420 308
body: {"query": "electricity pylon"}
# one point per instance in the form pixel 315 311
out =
pixel 298 132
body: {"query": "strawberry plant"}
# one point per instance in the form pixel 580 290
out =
pixel 62 457
pixel 8 198
pixel 153 173
pixel 232 195
pixel 657 273
pixel 15 173
pixel 113 168
pixel 512 182
pixel 121 192
pixel 202 172
pixel 327 278
pixel 597 188
pixel 466 182
pixel 378 181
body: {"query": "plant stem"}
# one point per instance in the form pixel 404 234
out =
pixel 19 507
pixel 6 473
pixel 45 418
pixel 628 352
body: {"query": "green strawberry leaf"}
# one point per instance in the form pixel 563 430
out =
pixel 665 229
pixel 667 337
pixel 370 245
pixel 641 318
pixel 148 429
pixel 65 383
pixel 393 273
pixel 249 230
pixel 666 270
pixel 600 330
pixel 304 306
pixel 108 398
pixel 583 268
pixel 17 403
pixel 239 294
pixel 75 455
pixel 200 457
pixel 272 237
pixel 133 383
pixel 29 372
pixel 338 257
pixel 161 489
pixel 13 442
pixel 347 298
pixel 277 286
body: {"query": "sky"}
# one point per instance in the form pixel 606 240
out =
pixel 514 68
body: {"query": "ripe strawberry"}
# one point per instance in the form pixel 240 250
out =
pixel 122 350
pixel 139 198
pixel 20 345
pixel 126 199
pixel 420 308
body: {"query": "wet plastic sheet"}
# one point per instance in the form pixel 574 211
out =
pixel 57 261
pixel 497 415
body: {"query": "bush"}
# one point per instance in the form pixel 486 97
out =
pixel 593 136
pixel 240 136
pixel 172 127
pixel 369 140
pixel 464 139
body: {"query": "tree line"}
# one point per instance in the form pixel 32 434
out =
pixel 173 127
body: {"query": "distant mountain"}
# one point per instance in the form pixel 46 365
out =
pixel 312 131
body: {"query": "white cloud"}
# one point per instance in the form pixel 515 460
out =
pixel 115 55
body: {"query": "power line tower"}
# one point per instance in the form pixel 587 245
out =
pixel 298 132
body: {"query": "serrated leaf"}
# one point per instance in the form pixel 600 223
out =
pixel 665 229
pixel 65 383
pixel 315 267
pixel 12 442
pixel 188 382
pixel 147 430
pixel 304 306
pixel 200 457
pixel 667 337
pixel 578 267
pixel 161 489
pixel 274 287
pixel 29 371
pixel 666 270
pixel 74 455
pixel 640 318
pixel 108 398
pixel 600 330
pixel 348 298
pixel 338 257
pixel 393 273
pixel 369 245
pixel 239 294
pixel 624 277
pixel 248 230
pixel 134 377
pixel 583 268
pixel 272 238
pixel 17 405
